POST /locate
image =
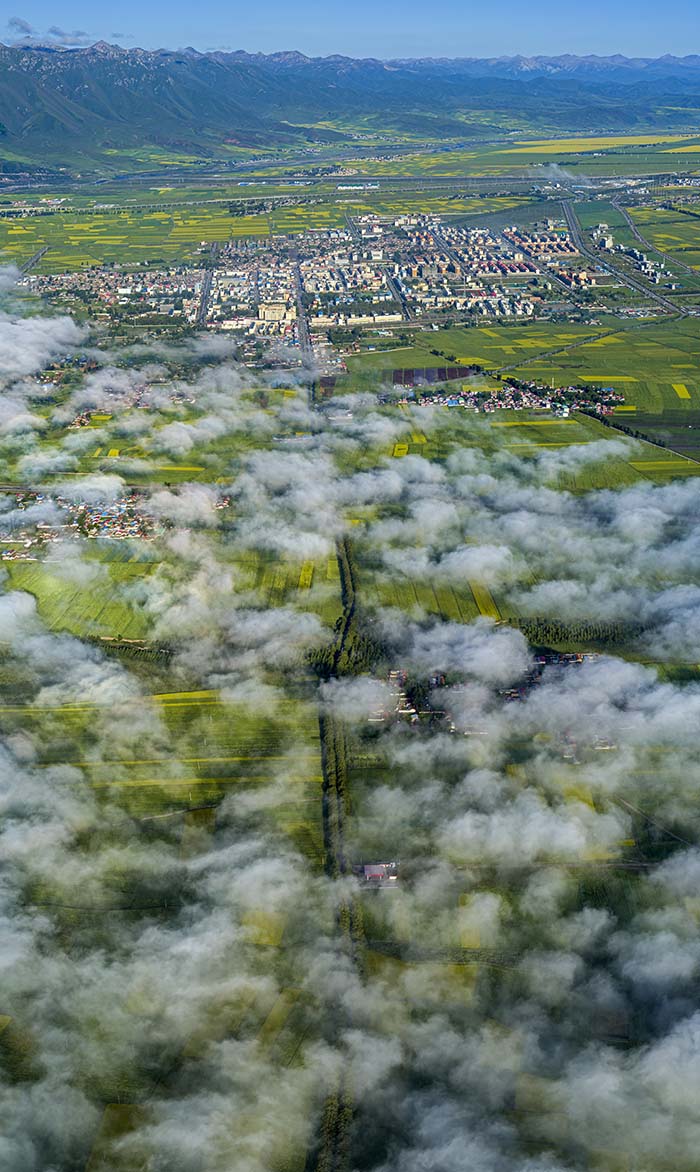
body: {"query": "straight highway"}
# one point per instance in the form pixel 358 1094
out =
pixel 33 260
pixel 307 352
pixel 206 290
pixel 204 299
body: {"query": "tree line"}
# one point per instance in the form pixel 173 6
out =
pixel 546 632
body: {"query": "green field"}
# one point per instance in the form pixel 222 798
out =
pixel 591 213
pixel 492 347
pixel 104 605
pixel 79 240
pixel 586 155
pixel 83 237
pixel 413 595
pixel 644 362
pixel 309 585
pixel 97 608
pixel 530 434
pixel 212 747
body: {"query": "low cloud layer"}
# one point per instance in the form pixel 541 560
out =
pixel 519 993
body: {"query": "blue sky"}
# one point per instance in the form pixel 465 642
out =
pixel 464 28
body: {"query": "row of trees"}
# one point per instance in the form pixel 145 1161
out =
pixel 334 1146
pixel 546 632
pixel 335 791
pixel 351 652
pixel 631 431
pixel 354 649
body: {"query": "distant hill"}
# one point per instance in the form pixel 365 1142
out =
pixel 80 106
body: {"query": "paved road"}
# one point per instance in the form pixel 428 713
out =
pixel 204 301
pixel 307 352
pixel 206 289
pixel 442 243
pixel 206 292
pixel 631 282
pixel 400 296
pixel 308 358
pixel 29 264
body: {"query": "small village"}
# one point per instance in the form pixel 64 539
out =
pixel 515 395
pixel 119 520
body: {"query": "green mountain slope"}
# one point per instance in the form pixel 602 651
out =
pixel 58 106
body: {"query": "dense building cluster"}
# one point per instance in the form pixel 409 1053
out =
pixel 377 271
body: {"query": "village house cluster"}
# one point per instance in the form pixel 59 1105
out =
pixel 515 395
pixel 118 520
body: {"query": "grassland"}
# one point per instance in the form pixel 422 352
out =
pixel 396 202
pixel 207 749
pixel 590 213
pixel 103 604
pixel 529 434
pixel 96 608
pixel 644 362
pixel 455 603
pixel 314 585
pixel 604 143
pixel 78 241
pixel 420 588
pixel 309 584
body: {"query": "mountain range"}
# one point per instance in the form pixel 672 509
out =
pixel 83 106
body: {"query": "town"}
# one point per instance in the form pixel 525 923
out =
pixel 377 272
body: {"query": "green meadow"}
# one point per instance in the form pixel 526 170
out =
pixel 214 747
pixel 492 347
pixel 104 602
pixel 655 366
